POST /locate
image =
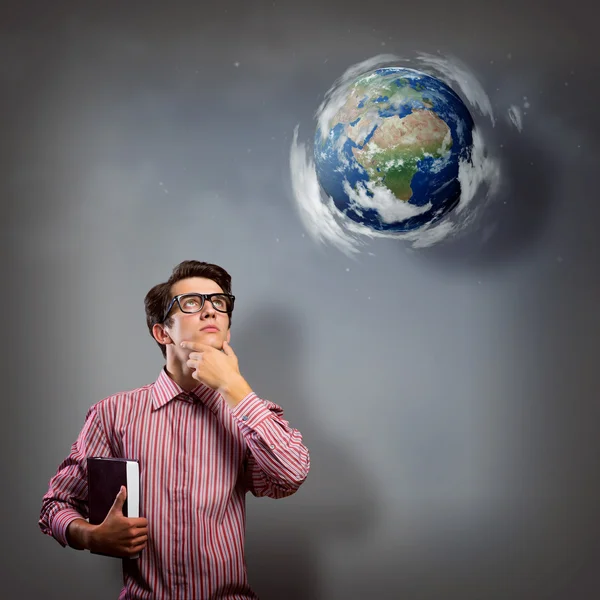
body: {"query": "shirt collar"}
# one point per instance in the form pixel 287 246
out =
pixel 165 389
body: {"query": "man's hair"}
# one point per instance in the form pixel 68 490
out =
pixel 157 300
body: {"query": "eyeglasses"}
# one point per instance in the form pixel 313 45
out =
pixel 193 303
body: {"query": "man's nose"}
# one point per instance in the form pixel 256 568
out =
pixel 208 310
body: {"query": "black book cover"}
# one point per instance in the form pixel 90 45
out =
pixel 105 478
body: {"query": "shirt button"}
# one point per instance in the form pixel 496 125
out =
pixel 245 418
pixel 272 446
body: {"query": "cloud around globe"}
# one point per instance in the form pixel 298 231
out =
pixel 396 150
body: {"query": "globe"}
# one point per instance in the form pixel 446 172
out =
pixel 390 152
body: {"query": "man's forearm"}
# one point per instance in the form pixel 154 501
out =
pixel 78 534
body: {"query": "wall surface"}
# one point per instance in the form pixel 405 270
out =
pixel 449 396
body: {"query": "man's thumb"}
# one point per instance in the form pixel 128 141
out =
pixel 119 500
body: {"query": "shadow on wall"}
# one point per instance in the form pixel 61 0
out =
pixel 337 500
pixel 515 219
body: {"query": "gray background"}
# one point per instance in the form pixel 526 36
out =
pixel 449 397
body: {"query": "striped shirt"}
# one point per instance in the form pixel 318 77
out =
pixel 198 458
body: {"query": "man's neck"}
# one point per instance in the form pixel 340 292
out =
pixel 181 377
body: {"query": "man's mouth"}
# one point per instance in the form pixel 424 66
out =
pixel 210 328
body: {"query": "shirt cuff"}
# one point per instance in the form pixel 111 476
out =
pixel 61 522
pixel 251 411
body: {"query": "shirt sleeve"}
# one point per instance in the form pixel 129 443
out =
pixel 278 462
pixel 67 495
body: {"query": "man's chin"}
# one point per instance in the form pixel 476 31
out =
pixel 211 339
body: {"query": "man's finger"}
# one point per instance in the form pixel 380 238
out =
pixel 197 346
pixel 140 539
pixel 140 522
pixel 117 506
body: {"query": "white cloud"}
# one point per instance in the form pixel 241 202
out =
pixel 317 216
pixel 389 208
pixel 515 117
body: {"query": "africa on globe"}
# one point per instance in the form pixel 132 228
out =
pixel 390 152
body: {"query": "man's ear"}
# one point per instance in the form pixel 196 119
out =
pixel 160 334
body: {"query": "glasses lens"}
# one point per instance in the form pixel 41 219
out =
pixel 190 303
pixel 221 302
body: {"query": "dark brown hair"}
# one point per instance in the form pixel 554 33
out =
pixel 158 298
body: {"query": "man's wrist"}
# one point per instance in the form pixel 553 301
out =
pixel 79 534
pixel 235 390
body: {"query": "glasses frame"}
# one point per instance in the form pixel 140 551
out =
pixel 205 297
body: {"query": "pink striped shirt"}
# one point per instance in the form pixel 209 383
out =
pixel 198 458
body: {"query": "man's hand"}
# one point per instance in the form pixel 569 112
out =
pixel 119 535
pixel 218 370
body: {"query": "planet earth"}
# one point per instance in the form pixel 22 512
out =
pixel 390 153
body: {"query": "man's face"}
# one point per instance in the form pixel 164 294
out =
pixel 208 326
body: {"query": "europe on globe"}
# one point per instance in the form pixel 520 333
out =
pixel 390 152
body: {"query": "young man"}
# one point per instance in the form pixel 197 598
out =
pixel 202 438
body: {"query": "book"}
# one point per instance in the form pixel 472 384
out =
pixel 106 475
